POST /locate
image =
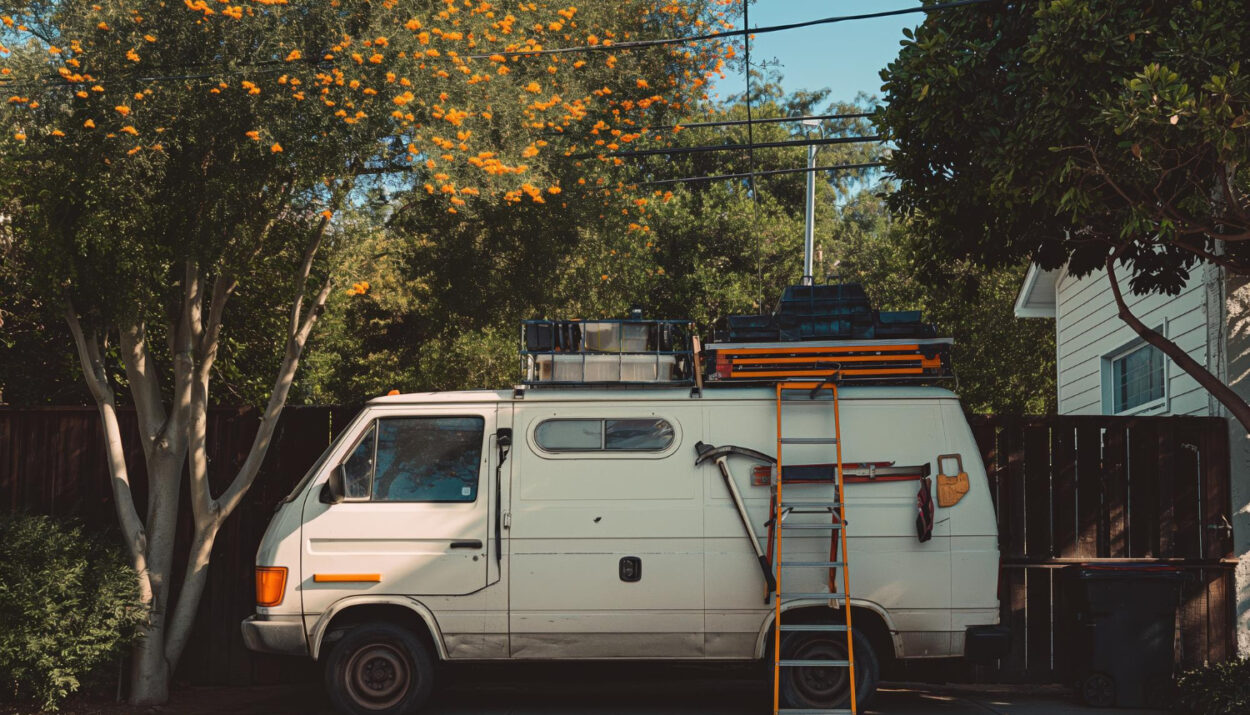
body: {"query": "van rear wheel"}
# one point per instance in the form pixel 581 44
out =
pixel 379 669
pixel 825 687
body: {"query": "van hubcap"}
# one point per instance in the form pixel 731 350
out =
pixel 378 676
pixel 820 685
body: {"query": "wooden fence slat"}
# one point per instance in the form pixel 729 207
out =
pixel 1166 489
pixel 1143 489
pixel 1216 496
pixel 1089 490
pixel 1113 521
pixel 1040 628
pixel 1011 512
pixel 1037 452
pixel 1064 470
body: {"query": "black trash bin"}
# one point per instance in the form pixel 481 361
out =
pixel 1121 626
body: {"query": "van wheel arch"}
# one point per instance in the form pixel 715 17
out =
pixel 351 616
pixel 866 620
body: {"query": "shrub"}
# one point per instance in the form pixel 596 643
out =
pixel 1219 689
pixel 68 603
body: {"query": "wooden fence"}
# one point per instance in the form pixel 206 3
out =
pixel 1068 489
pixel 1074 489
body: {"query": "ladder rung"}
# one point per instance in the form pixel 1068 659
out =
pixel 817 564
pixel 825 527
pixel 808 440
pixel 813 627
pixel 810 504
pixel 814 663
pixel 809 711
pixel 823 596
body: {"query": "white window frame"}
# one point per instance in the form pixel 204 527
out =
pixel 541 452
pixel 1108 379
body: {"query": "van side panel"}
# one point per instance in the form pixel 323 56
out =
pixel 576 515
pixel 909 580
pixel 974 536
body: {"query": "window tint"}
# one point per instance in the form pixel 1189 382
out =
pixel 1137 378
pixel 358 468
pixel 428 459
pixel 650 435
pixel 635 435
pixel 570 434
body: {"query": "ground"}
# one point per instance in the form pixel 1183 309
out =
pixel 604 690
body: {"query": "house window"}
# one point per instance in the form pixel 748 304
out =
pixel 624 435
pixel 1137 379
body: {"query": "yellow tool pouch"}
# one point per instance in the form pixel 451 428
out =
pixel 951 488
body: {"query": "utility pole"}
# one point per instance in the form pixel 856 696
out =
pixel 809 227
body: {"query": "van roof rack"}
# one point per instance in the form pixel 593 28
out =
pixel 633 352
pixel 886 360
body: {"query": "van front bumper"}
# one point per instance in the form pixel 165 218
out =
pixel 283 635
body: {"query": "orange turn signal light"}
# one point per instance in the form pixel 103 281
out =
pixel 270 585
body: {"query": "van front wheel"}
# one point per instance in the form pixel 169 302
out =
pixel 379 669
pixel 827 687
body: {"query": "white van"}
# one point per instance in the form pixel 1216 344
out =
pixel 574 523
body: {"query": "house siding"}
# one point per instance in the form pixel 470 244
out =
pixel 1088 329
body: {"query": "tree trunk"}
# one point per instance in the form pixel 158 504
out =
pixel 1225 394
pixel 149 673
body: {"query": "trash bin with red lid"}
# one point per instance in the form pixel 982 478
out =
pixel 1120 629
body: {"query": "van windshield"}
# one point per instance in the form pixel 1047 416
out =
pixel 316 467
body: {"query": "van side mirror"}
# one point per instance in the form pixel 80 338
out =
pixel 333 490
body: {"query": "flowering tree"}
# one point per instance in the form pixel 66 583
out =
pixel 159 155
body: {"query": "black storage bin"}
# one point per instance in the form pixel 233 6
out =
pixel 746 329
pixel 1119 627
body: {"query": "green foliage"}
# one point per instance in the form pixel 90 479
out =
pixel 68 602
pixel 446 294
pixel 1063 131
pixel 1220 689
pixel 1004 365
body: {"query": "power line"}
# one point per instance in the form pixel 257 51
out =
pixel 638 44
pixel 769 120
pixel 770 172
pixel 730 147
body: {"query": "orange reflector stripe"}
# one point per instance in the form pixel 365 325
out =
pixel 270 585
pixel 800 349
pixel 347 578
pixel 808 373
pixel 830 358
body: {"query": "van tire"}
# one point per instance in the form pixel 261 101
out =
pixel 379 669
pixel 825 688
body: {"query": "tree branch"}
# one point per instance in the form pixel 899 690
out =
pixel 1227 397
pixel 123 501
pixel 145 384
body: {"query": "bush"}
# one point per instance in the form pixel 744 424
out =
pixel 68 603
pixel 1220 689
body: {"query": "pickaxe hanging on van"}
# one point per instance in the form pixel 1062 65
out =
pixel 721 455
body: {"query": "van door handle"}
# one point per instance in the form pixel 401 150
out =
pixel 470 544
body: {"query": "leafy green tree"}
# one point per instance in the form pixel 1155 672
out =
pixel 163 159
pixel 1095 134
pixel 444 297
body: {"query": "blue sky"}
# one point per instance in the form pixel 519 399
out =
pixel 845 57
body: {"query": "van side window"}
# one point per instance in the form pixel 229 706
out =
pixel 358 467
pixel 622 435
pixel 428 459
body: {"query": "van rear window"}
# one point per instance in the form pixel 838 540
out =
pixel 600 435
